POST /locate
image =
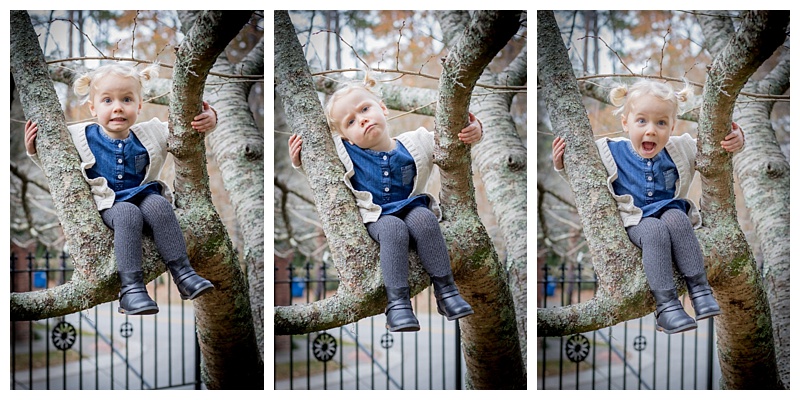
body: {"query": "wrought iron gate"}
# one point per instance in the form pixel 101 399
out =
pixel 100 348
pixel 364 355
pixel 630 355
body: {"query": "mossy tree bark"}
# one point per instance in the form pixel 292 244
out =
pixel 763 173
pixel 744 331
pixel 490 336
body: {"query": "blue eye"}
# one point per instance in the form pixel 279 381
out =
pixel 662 123
pixel 128 99
pixel 365 109
pixel 106 100
pixel 350 122
pixel 640 120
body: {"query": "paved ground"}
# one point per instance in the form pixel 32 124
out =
pixel 665 362
pixel 422 360
pixel 158 344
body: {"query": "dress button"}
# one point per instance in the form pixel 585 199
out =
pixel 384 158
pixel 649 178
pixel 119 145
pixel 119 161
pixel 648 163
pixel 385 173
pixel 119 176
pixel 650 194
pixel 386 189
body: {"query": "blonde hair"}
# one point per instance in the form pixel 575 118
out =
pixel 83 86
pixel 366 85
pixel 622 96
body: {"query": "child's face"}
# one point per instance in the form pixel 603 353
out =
pixel 116 103
pixel 649 124
pixel 361 118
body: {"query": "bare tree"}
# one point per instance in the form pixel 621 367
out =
pixel 744 333
pixel 224 322
pixel 490 336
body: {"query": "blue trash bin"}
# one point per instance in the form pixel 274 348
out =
pixel 297 287
pixel 40 279
pixel 550 288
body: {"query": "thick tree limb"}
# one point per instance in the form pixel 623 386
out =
pixel 224 315
pixel 88 238
pixel 478 277
pixel 749 349
pixel 623 289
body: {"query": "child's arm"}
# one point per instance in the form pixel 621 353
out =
pixel 206 121
pixel 473 132
pixel 735 140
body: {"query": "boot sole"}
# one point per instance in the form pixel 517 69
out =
pixel 403 328
pixel 707 315
pixel 457 316
pixel 679 329
pixel 199 292
pixel 141 311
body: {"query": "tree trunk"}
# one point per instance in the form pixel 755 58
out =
pixel 490 335
pixel 501 159
pixel 763 172
pixel 744 329
pixel 237 144
pixel 224 319
pixel 622 286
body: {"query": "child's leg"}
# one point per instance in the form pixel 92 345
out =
pixel 125 220
pixel 423 226
pixel 158 216
pixel 689 257
pixel 392 235
pixel 157 213
pixel 685 247
pixel 652 236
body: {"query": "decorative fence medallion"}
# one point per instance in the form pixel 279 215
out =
pixel 324 347
pixel 577 348
pixel 126 330
pixel 387 340
pixel 639 343
pixel 64 335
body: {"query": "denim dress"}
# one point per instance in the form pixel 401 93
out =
pixel 387 175
pixel 122 162
pixel 651 182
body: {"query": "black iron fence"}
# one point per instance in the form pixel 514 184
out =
pixel 100 348
pixel 630 355
pixel 364 355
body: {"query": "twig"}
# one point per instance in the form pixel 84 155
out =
pixel 140 61
pixel 609 47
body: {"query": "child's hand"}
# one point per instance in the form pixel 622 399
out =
pixel 559 145
pixel 735 140
pixel 295 145
pixel 30 136
pixel 473 132
pixel 206 120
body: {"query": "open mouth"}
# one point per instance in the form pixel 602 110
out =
pixel 648 146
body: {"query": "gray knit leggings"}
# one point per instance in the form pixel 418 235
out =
pixel 152 215
pixel 394 234
pixel 664 239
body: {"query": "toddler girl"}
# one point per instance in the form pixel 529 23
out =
pixel 650 187
pixel 121 161
pixel 388 177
